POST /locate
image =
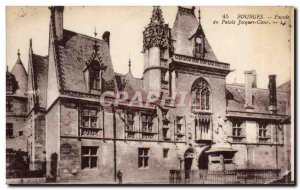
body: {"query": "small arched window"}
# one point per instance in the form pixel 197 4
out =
pixel 201 99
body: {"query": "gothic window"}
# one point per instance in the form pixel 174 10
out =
pixel 143 157
pixel 147 123
pixel 202 124
pixel 89 118
pixel 201 99
pixel 89 157
pixel 9 130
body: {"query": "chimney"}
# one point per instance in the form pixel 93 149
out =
pixel 105 37
pixel 250 81
pixel 254 82
pixel 272 94
pixel 57 18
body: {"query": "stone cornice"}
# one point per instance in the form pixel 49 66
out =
pixel 255 115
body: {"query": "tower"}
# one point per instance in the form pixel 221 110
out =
pixel 157 49
pixel 16 110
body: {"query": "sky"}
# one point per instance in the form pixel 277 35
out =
pixel 264 48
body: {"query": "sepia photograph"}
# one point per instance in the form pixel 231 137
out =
pixel 147 95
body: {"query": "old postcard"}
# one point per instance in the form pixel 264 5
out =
pixel 150 95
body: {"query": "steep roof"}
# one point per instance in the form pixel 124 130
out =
pixel 74 51
pixel 235 96
pixel 20 74
pixel 185 27
pixel 133 85
pixel 130 84
pixel 285 87
pixel 40 70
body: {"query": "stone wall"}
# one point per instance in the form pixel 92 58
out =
pixel 52 134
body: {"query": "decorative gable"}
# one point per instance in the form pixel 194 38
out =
pixel 94 70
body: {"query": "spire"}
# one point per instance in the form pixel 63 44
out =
pixel 18 54
pixel 157 17
pixel 95 33
pixel 157 33
pixel 30 49
pixel 96 46
pixel 199 15
pixel 30 43
pixel 95 55
pixel 19 57
pixel 129 62
pixel 129 65
pixel 20 74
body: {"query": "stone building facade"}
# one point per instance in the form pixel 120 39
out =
pixel 224 127
pixel 16 107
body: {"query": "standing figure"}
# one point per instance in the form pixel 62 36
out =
pixel 119 176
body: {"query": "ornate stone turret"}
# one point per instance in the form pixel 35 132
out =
pixel 157 34
pixel 157 48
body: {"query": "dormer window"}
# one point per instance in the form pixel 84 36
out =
pixel 199 47
pixel 95 75
pixel 9 86
pixel 94 69
pixel 9 83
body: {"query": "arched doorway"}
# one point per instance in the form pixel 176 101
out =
pixel 188 161
pixel 203 161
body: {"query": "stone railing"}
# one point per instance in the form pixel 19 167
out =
pixel 202 62
pixel 239 176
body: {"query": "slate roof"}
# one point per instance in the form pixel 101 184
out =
pixel 235 96
pixel 185 27
pixel 20 74
pixel 130 84
pixel 74 51
pixel 40 69
pixel 285 87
